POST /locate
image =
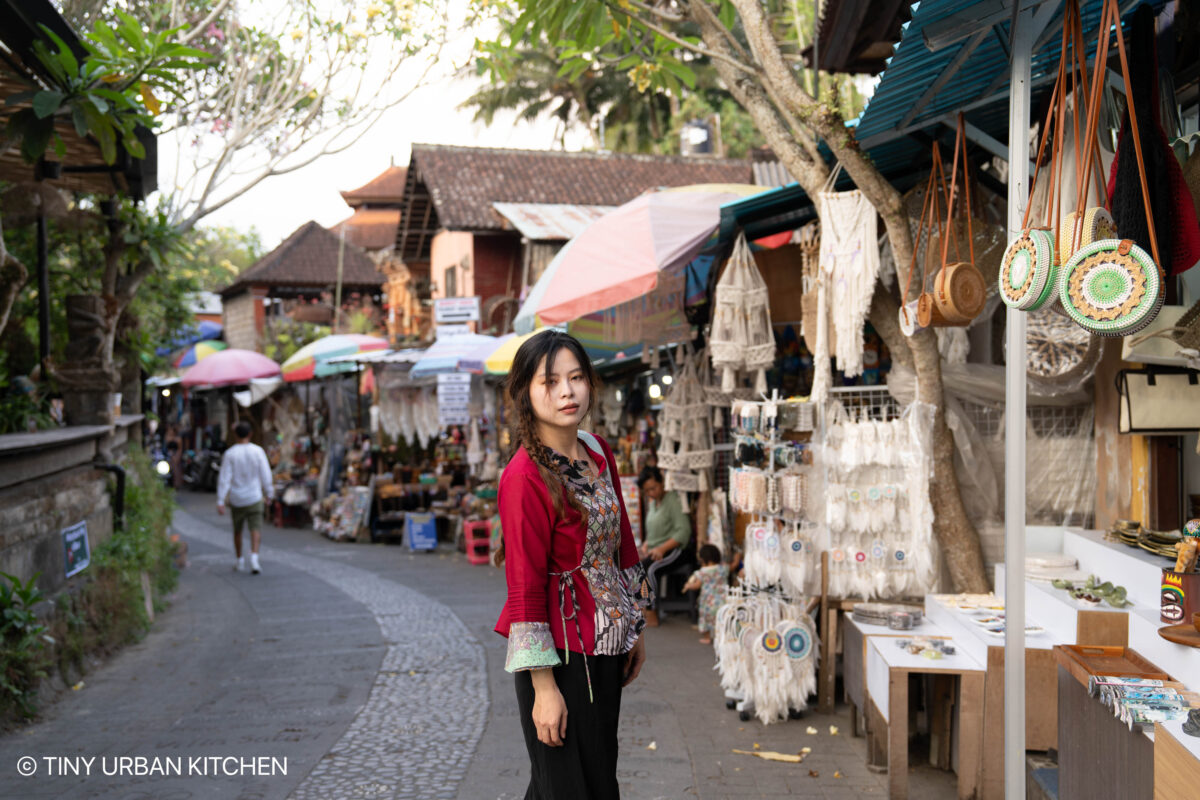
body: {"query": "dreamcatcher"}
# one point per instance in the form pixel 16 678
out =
pixel 767 651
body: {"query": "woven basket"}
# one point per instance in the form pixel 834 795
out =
pixel 1187 329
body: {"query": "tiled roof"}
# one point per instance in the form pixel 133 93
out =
pixel 386 188
pixel 465 181
pixel 370 228
pixel 309 257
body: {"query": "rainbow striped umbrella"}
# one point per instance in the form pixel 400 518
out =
pixel 198 352
pixel 313 360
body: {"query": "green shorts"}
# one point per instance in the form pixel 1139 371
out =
pixel 249 515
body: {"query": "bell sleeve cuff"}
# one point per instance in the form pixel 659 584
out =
pixel 530 646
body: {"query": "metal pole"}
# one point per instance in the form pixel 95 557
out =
pixel 1014 426
pixel 43 279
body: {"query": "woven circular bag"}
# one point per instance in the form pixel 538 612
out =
pixel 1097 224
pixel 960 292
pixel 1028 270
pixel 1111 287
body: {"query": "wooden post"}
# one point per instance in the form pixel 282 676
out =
pixel 828 668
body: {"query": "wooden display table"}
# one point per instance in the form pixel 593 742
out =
pixel 854 660
pixel 888 670
pixel 1176 762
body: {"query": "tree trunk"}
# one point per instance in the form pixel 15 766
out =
pixel 774 99
pixel 13 275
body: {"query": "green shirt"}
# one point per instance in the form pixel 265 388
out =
pixel 666 520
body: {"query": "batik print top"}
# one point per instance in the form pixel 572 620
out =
pixel 572 585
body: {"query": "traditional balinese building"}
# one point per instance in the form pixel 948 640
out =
pixel 373 227
pixel 298 279
pixel 486 221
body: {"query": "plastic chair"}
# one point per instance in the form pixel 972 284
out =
pixel 478 538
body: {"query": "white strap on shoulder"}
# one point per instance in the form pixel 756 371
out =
pixel 593 444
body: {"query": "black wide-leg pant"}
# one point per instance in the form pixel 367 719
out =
pixel 585 767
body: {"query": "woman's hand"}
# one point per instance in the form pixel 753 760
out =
pixel 634 660
pixel 549 709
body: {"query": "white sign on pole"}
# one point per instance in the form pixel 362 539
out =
pixel 454 399
pixel 449 310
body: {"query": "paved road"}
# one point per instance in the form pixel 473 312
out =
pixel 375 674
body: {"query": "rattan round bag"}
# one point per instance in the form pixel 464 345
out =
pixel 1097 224
pixel 1111 287
pixel 1027 271
pixel 960 292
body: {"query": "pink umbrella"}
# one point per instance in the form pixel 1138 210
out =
pixel 230 367
pixel 619 256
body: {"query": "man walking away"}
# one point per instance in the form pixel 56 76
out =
pixel 244 480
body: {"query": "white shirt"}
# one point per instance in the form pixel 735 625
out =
pixel 245 476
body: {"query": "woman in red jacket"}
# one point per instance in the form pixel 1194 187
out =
pixel 575 589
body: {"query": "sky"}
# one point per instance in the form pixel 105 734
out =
pixel 281 204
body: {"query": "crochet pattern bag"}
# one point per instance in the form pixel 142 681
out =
pixel 1112 287
pixel 741 336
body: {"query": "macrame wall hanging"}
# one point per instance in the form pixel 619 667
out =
pixel 850 266
pixel 685 453
pixel 741 338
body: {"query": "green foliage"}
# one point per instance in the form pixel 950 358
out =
pixel 142 544
pixel 285 336
pixel 23 641
pixel 198 260
pixel 21 408
pixel 107 95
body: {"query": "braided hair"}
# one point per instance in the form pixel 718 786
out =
pixel 539 352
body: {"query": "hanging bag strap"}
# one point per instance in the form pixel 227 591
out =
pixel 1113 17
pixel 1047 127
pixel 960 146
pixel 925 204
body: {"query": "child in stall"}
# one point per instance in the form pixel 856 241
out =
pixel 710 579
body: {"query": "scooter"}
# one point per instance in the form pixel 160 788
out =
pixel 162 463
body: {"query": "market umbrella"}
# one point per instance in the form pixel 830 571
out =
pixel 476 360
pixel 198 352
pixel 203 330
pixel 499 361
pixel 445 354
pixel 619 256
pixel 230 367
pixel 313 360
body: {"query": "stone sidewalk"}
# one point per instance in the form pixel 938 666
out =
pixel 376 673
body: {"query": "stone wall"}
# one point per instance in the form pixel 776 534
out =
pixel 241 327
pixel 48 483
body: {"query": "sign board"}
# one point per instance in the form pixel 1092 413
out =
pixel 446 331
pixel 449 310
pixel 454 399
pixel 631 493
pixel 421 531
pixel 76 554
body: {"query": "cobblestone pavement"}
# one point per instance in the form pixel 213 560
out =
pixel 425 713
pixel 377 674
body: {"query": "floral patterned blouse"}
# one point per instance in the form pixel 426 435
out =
pixel 713 580
pixel 571 586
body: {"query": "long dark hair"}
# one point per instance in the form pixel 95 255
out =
pixel 543 347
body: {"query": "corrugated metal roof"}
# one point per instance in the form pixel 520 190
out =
pixel 550 221
pixel 970 75
pixel 771 173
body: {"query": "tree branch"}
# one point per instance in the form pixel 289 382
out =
pixel 666 34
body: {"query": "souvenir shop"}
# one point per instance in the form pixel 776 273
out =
pixel 811 452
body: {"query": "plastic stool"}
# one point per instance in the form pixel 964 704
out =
pixel 478 537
